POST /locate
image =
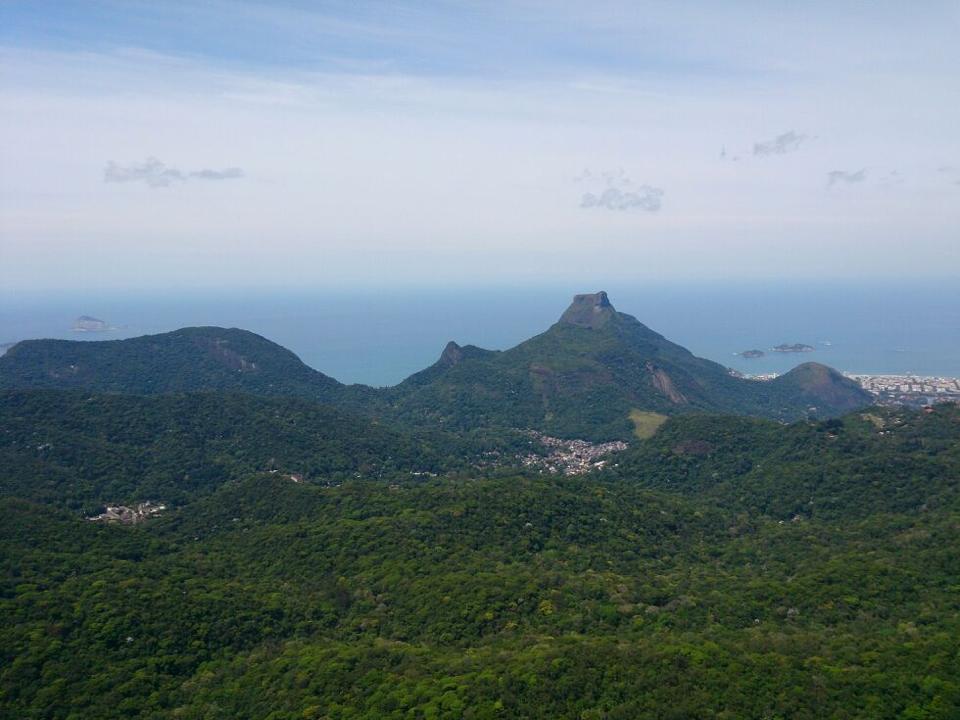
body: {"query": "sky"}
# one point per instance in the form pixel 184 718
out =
pixel 238 144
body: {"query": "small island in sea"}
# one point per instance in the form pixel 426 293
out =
pixel 752 354
pixel 85 323
pixel 794 348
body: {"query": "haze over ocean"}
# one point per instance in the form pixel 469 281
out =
pixel 379 338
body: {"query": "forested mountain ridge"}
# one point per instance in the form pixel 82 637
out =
pixel 309 564
pixel 587 372
pixel 76 450
pixel 581 378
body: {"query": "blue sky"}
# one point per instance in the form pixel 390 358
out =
pixel 215 144
pixel 438 38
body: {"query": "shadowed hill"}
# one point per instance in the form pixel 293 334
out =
pixel 198 358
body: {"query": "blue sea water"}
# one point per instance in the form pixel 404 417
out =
pixel 380 337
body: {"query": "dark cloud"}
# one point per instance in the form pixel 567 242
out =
pixel 780 145
pixel 615 191
pixel 848 178
pixel 157 174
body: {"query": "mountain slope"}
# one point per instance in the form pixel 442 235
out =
pixel 586 373
pixel 883 460
pixel 681 587
pixel 73 449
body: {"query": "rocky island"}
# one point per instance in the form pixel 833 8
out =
pixel 792 348
pixel 752 354
pixel 85 323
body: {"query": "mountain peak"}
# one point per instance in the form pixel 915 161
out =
pixel 589 310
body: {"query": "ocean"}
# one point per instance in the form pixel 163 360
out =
pixel 381 337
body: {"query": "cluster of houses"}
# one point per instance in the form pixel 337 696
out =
pixel 570 457
pixel 129 515
pixel 911 390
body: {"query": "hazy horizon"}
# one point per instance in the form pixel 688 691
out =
pixel 379 338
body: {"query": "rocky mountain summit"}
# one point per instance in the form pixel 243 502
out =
pixel 590 310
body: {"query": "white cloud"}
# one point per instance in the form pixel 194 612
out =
pixel 156 174
pixel 645 197
pixel 780 145
pixel 614 190
pixel 835 177
pixel 225 174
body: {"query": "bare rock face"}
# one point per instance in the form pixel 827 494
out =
pixel 590 310
pixel 452 354
pixel 664 384
pixel 219 349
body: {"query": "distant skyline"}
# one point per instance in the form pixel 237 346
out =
pixel 292 144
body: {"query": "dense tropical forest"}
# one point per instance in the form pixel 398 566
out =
pixel 723 568
pixel 80 451
pixel 198 525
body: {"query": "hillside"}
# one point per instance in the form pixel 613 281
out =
pixel 678 587
pixel 81 451
pixel 880 460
